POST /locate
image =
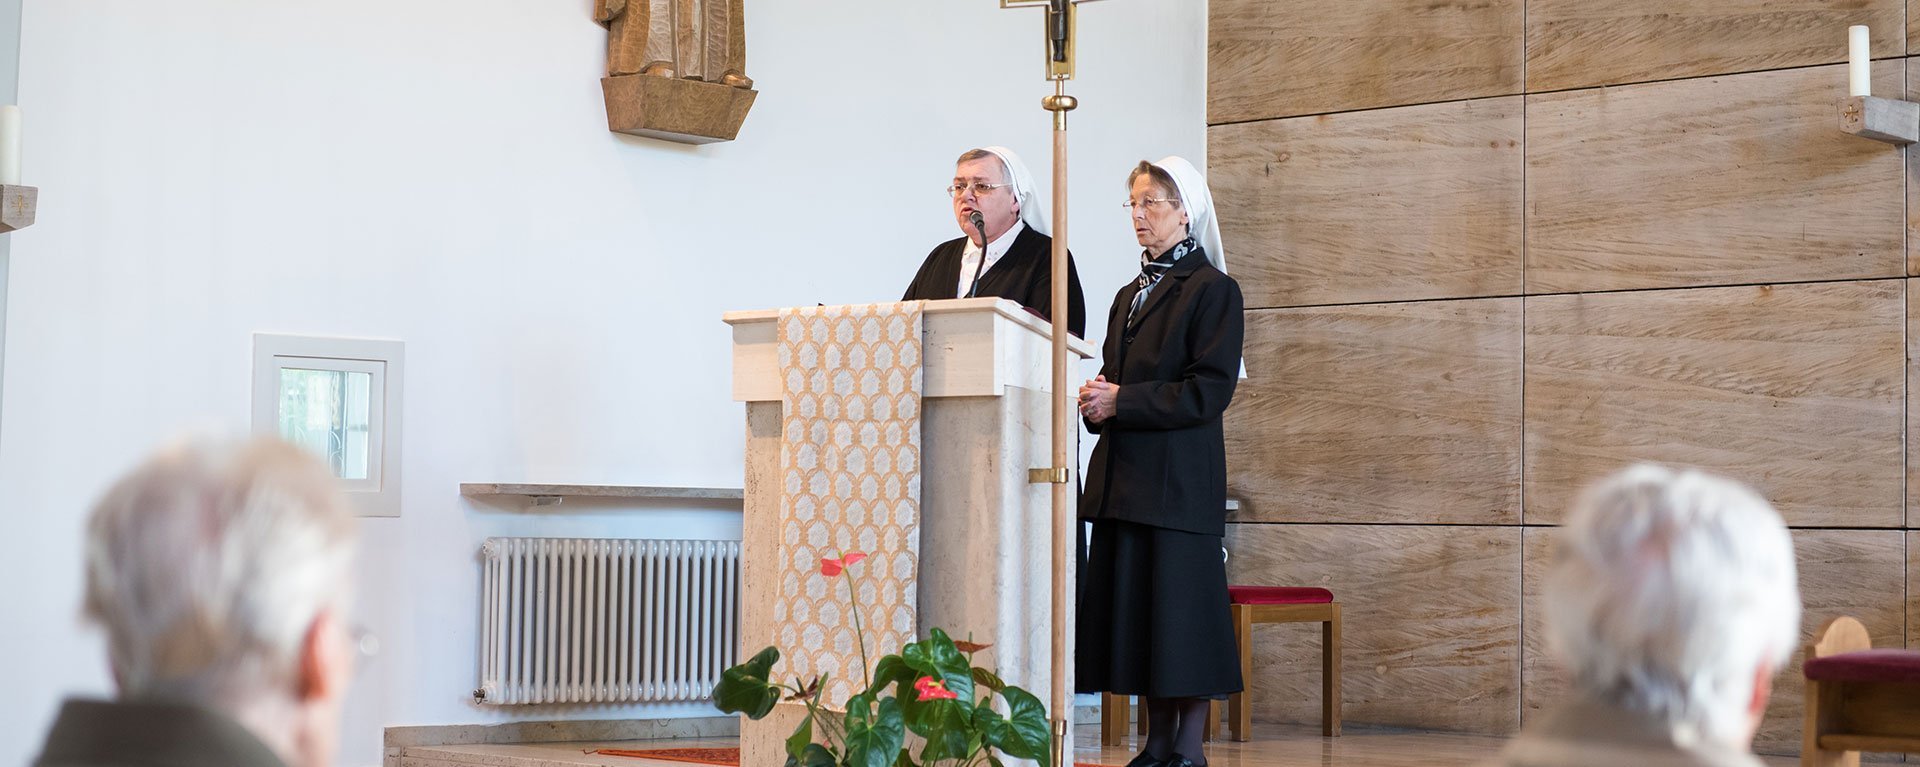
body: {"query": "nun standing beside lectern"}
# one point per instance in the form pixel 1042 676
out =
pixel 1153 617
pixel 1006 251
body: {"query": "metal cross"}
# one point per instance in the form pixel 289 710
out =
pixel 1061 18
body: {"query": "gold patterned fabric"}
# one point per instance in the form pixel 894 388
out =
pixel 850 453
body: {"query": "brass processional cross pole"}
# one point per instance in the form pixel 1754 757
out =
pixel 1066 430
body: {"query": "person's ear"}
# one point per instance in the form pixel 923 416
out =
pixel 323 659
pixel 1762 691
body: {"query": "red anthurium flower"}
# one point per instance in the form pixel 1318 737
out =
pixel 933 689
pixel 831 567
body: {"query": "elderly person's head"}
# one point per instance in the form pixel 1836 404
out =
pixel 1674 594
pixel 221 575
pixel 1159 215
pixel 996 184
pixel 1170 202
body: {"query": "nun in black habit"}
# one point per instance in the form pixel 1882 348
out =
pixel 1014 260
pixel 1153 617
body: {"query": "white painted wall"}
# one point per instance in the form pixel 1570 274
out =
pixel 441 174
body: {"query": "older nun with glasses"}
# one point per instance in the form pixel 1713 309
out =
pixel 1005 250
pixel 1153 617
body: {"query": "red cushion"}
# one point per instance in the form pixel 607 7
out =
pixel 1278 595
pixel 1883 665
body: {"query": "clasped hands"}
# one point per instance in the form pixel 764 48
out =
pixel 1097 399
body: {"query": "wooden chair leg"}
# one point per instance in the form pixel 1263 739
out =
pixel 1822 705
pixel 1823 711
pixel 1240 704
pixel 1212 731
pixel 1113 719
pixel 1330 675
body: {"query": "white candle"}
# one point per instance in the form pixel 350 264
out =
pixel 1859 71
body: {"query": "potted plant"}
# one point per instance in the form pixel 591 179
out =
pixel 962 714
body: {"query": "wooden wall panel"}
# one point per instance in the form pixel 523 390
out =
pixel 1379 413
pixel 1842 572
pixel 1279 58
pixel 1913 26
pixel 1795 388
pixel 1913 413
pixel 1431 622
pixel 1913 177
pixel 1389 205
pixel 1581 43
pixel 1543 680
pixel 1727 180
pixel 1913 590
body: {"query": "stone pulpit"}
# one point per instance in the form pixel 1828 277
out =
pixel 903 431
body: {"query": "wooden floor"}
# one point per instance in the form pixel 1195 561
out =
pixel 1272 746
pixel 1276 745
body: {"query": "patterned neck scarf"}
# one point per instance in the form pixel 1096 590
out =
pixel 1152 269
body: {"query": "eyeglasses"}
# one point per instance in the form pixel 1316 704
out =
pixel 979 189
pixel 1150 203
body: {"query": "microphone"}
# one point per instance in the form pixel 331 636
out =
pixel 980 225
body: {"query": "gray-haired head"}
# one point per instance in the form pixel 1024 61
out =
pixel 1675 594
pixel 208 565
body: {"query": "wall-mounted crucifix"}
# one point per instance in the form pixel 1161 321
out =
pixel 676 69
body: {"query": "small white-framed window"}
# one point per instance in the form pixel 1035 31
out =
pixel 340 399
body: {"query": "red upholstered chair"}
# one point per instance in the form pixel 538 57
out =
pixel 1858 698
pixel 1253 605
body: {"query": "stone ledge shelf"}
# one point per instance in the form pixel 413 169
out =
pixel 552 495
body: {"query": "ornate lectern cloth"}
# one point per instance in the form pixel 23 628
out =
pixel 850 452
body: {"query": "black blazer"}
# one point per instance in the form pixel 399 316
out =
pixel 1162 457
pixel 1024 274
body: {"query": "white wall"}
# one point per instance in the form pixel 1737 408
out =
pixel 9 82
pixel 441 174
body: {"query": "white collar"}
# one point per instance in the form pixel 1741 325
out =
pixel 999 246
pixel 995 249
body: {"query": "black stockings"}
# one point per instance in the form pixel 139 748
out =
pixel 1175 726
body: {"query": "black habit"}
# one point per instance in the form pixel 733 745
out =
pixel 1162 457
pixel 1024 275
pixel 1153 617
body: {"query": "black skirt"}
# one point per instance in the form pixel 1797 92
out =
pixel 1153 618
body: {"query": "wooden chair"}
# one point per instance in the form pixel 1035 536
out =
pixel 1253 605
pixel 1858 698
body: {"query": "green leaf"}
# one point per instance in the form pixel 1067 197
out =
pixel 873 741
pixel 801 738
pixel 816 755
pixel 993 729
pixel 889 670
pixel 994 761
pixel 937 657
pixel 943 723
pixel 744 689
pixel 1029 734
pixel 987 679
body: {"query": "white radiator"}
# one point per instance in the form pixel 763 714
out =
pixel 585 620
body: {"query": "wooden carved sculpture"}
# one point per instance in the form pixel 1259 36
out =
pixel 688 39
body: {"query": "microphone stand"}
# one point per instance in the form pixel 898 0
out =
pixel 979 225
